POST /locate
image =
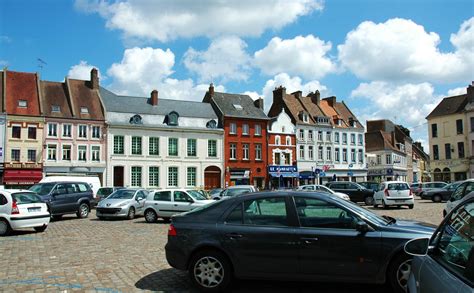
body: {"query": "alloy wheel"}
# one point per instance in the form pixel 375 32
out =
pixel 403 272
pixel 3 227
pixel 84 210
pixel 209 272
pixel 150 216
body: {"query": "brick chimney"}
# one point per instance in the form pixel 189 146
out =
pixel 470 92
pixel 211 89
pixel 315 97
pixel 94 79
pixel 297 94
pixel 258 103
pixel 331 101
pixel 154 98
pixel 278 94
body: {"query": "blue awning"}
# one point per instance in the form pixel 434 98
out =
pixel 284 174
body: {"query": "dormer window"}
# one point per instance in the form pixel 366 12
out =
pixel 237 106
pixel 55 108
pixel 84 110
pixel 322 120
pixel 136 119
pixel 211 124
pixel 352 122
pixel 22 103
pixel 305 118
pixel 172 118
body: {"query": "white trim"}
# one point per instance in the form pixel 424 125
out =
pixel 47 151
pixel 71 131
pixel 77 152
pixel 92 132
pixel 62 151
pixel 79 131
pixel 47 129
pixel 100 152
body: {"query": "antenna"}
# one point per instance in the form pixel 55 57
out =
pixel 41 63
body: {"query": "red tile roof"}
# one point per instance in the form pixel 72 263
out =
pixel 22 86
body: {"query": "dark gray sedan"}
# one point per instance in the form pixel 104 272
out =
pixel 440 194
pixel 290 236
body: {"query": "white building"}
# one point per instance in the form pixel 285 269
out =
pixel 162 143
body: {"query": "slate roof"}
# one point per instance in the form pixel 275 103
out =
pixel 225 102
pixel 449 105
pixel 142 105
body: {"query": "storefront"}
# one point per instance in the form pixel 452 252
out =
pixel 283 176
pixel 306 177
pixel 21 178
pixel 239 177
pixel 386 174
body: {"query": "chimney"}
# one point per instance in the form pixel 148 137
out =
pixel 278 94
pixel 94 79
pixel 211 89
pixel 154 98
pixel 315 97
pixel 297 94
pixel 258 103
pixel 470 92
pixel 331 101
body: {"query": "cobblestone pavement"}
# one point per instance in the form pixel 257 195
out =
pixel 88 255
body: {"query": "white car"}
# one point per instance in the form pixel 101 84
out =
pixel 166 203
pixel 22 209
pixel 235 190
pixel 317 187
pixel 458 195
pixel 394 193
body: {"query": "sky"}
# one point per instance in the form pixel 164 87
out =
pixel 393 59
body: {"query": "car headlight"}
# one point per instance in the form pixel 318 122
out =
pixel 123 204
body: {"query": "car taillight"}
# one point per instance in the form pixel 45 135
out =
pixel 15 210
pixel 411 193
pixel 386 192
pixel 172 231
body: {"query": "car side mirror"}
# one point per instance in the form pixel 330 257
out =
pixel 190 200
pixel 417 246
pixel 362 227
pixel 55 192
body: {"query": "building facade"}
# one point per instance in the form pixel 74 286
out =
pixel 329 139
pixel 282 168
pixel 449 133
pixel 23 151
pixel 159 143
pixel 245 137
pixel 75 132
pixel 421 164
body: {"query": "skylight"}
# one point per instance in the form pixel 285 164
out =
pixel 84 110
pixel 55 108
pixel 237 106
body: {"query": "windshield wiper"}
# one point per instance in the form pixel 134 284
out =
pixel 389 219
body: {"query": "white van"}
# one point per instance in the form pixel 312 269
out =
pixel 93 181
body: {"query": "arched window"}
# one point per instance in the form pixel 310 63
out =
pixel 211 124
pixel 136 119
pixel 288 140
pixel 173 118
pixel 277 140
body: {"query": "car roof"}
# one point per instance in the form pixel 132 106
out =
pixel 394 182
pixel 11 191
pixel 240 186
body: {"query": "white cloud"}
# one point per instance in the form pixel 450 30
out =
pixel 143 69
pixel 225 59
pixel 401 50
pixel 291 84
pixel 457 91
pixel 165 20
pixel 81 71
pixel 304 56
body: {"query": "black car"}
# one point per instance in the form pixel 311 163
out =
pixel 372 185
pixel 440 194
pixel 303 236
pixel 356 192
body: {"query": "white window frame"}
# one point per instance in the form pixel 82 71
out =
pixel 140 145
pixel 77 153
pixel 187 176
pixel 209 148
pixel 310 135
pixel 48 149
pixel 100 152
pixel 328 154
pixel 149 177
pixel 258 130
pixel 177 147
pixel 258 152
pixel 99 132
pixel 288 140
pixel 70 131
pixel 233 151
pixel 70 152
pixel 51 124
pixel 246 151
pixel 233 128
pixel 245 129
pixel 158 145
pixel 301 152
pixel 277 140
pixel 168 176
pixel 79 132
pixel 310 153
pixel 188 146
pixel 140 178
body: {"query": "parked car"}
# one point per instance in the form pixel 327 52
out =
pixel 123 203
pixel 215 192
pixel 166 203
pixel 394 193
pixel 356 192
pixel 93 181
pixel 103 192
pixel 372 185
pixel 235 190
pixel 20 209
pixel 420 188
pixel 66 197
pixel 458 195
pixel 445 263
pixel 202 192
pixel 305 236
pixel 322 188
pixel 440 194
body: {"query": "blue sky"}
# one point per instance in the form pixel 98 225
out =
pixel 385 59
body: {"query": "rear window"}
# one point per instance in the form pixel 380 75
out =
pixel 398 186
pixel 439 185
pixel 237 191
pixel 42 188
pixel 104 191
pixel 26 198
pixel 83 187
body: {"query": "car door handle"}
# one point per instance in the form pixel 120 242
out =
pixel 175 205
pixel 234 235
pixel 156 204
pixel 309 240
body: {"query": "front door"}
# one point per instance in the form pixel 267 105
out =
pixel 258 234
pixel 212 177
pixel 329 245
pixel 182 202
pixel 60 202
pixel 118 176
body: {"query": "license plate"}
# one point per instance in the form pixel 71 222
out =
pixel 32 210
pixel 399 200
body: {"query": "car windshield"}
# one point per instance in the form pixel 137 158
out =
pixel 104 191
pixel 236 191
pixel 324 189
pixel 42 188
pixel 26 198
pixel 196 194
pixel 122 194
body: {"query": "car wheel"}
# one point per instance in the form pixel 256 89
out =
pixel 436 198
pixel 150 216
pixel 131 213
pixel 369 200
pixel 83 211
pixel 4 228
pixel 375 205
pixel 398 272
pixel 41 228
pixel 210 271
pixel 410 206
pixel 384 205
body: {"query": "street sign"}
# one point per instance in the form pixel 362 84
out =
pixel 317 171
pixel 350 174
pixel 322 174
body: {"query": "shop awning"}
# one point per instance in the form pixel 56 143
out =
pixel 22 176
pixel 284 174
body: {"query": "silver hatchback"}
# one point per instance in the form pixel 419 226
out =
pixel 125 203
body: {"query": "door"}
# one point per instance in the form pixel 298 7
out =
pixel 140 201
pixel 258 234
pixel 118 176
pixel 182 202
pixel 330 246
pixel 60 202
pixel 162 203
pixel 212 177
